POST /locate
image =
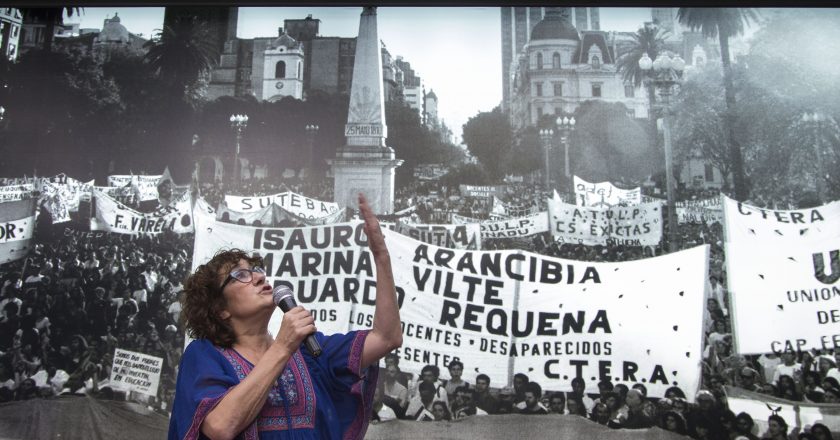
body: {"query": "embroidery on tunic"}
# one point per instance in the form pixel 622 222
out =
pixel 299 394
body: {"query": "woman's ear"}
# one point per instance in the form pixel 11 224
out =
pixel 224 314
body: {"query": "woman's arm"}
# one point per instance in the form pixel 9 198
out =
pixel 386 334
pixel 243 402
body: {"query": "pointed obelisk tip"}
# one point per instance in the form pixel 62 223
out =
pixel 369 10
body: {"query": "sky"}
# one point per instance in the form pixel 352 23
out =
pixel 456 51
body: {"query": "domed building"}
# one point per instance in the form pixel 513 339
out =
pixel 562 67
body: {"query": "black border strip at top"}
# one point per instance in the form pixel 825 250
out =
pixel 431 3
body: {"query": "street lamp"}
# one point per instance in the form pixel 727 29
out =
pixel 665 73
pixel 546 135
pixel 311 132
pixel 238 123
pixel 2 112
pixel 565 126
pixel 817 119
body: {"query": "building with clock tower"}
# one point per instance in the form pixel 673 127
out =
pixel 282 68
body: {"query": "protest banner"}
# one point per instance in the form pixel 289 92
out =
pixel 54 202
pixel 146 185
pixel 463 220
pixel 604 194
pixel 17 227
pixel 10 193
pixel 264 216
pixel 448 236
pixel 297 204
pixel 113 216
pixel 755 225
pixel 70 190
pixel 337 216
pixel 783 269
pixel 502 210
pixel 499 312
pixel 515 227
pixel 700 211
pixel 638 225
pixel 481 191
pixel 135 371
pixel 796 413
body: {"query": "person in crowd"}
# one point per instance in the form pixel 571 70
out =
pixel 440 412
pixel 484 399
pixel 557 403
pixel 787 388
pixel 465 404
pixel 456 368
pixel 821 432
pixel 532 404
pixel 601 413
pixel 574 406
pixel 744 426
pixel 789 367
pixel 505 403
pixel 430 374
pixel 674 422
pixel 228 304
pixel 579 391
pixel 394 394
pixel 404 377
pixel 777 428
pixel 519 382
pixel 768 363
pixel 420 406
pixel 706 412
pixel 636 416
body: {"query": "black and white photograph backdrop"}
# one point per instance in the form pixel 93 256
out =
pixel 623 219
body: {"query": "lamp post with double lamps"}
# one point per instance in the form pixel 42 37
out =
pixel 665 73
pixel 546 136
pixel 565 127
pixel 238 123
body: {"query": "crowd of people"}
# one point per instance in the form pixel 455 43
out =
pixel 78 296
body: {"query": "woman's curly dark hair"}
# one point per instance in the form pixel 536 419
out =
pixel 202 301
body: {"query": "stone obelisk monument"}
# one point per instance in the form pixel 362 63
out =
pixel 365 164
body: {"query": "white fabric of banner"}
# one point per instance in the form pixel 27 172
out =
pixel 638 225
pixel 604 194
pixel 499 312
pixel 16 192
pixel 515 227
pixel 449 236
pixel 297 204
pixel 783 270
pixel 113 216
pixel 700 211
pixel 146 185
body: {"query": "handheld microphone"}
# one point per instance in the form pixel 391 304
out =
pixel 285 299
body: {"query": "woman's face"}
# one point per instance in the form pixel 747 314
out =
pixel 438 411
pixel 249 299
pixel 774 428
pixel 671 423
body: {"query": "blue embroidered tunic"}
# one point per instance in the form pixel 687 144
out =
pixel 328 397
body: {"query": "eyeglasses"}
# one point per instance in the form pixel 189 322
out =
pixel 243 275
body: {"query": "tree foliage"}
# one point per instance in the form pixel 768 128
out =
pixel 489 138
pixel 724 23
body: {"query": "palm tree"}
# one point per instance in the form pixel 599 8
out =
pixel 182 55
pixel 724 23
pixel 647 40
pixel 51 17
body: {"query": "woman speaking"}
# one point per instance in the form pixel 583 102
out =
pixel 237 380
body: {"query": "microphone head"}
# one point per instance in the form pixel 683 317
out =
pixel 281 293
